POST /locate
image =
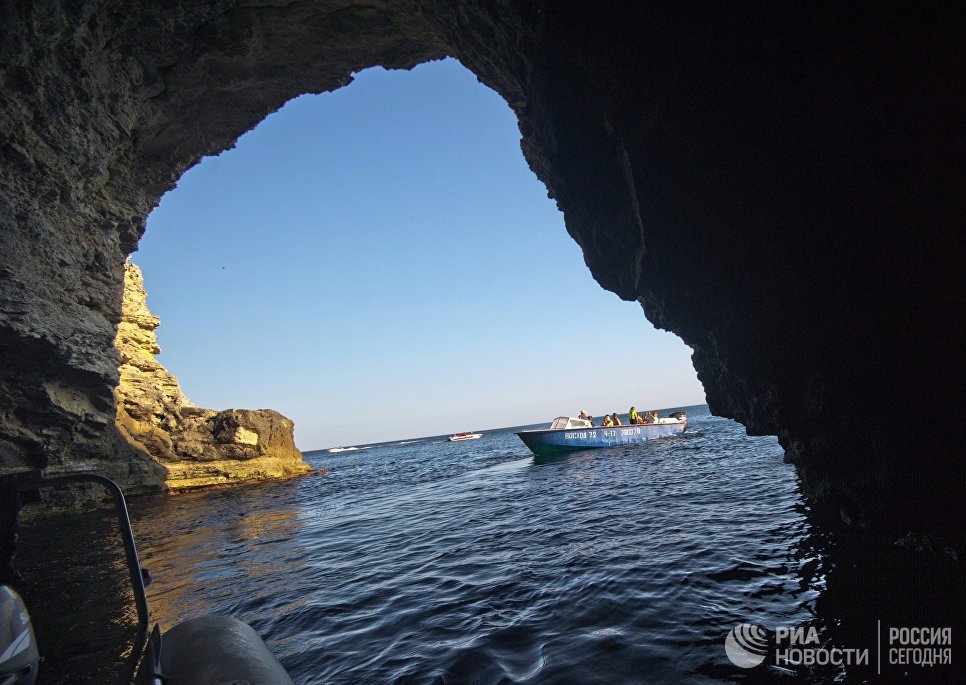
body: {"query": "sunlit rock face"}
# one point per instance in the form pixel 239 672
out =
pixel 197 447
pixel 776 185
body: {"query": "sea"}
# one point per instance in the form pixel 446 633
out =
pixel 425 561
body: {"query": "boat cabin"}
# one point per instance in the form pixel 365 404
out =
pixel 568 422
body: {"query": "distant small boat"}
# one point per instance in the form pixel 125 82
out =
pixel 465 436
pixel 342 449
pixel 567 433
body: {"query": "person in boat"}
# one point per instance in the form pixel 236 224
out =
pixel 615 418
pixel 585 415
pixel 607 422
pixel 653 417
pixel 632 416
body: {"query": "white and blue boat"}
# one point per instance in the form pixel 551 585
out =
pixel 567 433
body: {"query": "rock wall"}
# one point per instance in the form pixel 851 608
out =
pixel 778 184
pixel 197 447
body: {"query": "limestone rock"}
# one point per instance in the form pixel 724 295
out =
pixel 197 447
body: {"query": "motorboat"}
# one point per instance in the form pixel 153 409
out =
pixel 465 436
pixel 568 433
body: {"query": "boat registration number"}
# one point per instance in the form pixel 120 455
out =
pixel 612 433
pixel 582 435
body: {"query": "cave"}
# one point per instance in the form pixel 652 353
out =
pixel 777 185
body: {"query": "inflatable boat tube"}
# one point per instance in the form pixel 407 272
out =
pixel 217 649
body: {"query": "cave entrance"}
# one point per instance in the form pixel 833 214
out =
pixel 379 262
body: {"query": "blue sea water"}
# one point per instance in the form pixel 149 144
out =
pixel 472 562
pixel 425 561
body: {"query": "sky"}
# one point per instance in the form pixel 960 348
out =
pixel 379 263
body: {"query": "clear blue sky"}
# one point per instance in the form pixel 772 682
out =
pixel 380 263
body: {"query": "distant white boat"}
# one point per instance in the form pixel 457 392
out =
pixel 342 449
pixel 465 436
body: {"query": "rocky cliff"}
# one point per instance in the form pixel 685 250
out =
pixel 779 184
pixel 197 447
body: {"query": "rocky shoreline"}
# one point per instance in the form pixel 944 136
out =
pixel 196 447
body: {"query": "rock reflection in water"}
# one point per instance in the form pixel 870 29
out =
pixel 226 551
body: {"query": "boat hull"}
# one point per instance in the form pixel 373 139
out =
pixel 549 441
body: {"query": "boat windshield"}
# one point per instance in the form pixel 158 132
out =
pixel 562 422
